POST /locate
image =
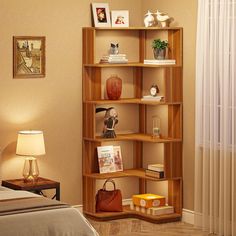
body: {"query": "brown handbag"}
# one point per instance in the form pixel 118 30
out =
pixel 108 200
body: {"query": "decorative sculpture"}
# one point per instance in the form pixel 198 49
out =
pixel 163 19
pixel 149 19
pixel 157 19
pixel 114 49
pixel 110 120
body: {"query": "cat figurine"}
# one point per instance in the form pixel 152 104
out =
pixel 114 49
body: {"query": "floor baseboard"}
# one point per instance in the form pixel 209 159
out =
pixel 188 216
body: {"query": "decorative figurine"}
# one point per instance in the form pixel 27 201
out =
pixel 114 49
pixel 110 120
pixel 154 90
pixel 163 19
pixel 149 20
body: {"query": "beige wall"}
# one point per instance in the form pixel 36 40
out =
pixel 52 104
pixel 185 14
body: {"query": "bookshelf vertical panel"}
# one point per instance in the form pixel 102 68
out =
pixel 88 45
pixel 173 85
pixel 173 160
pixel 142 45
pixel 138 163
pixel 91 83
pixel 89 186
pixel 175 195
pixel 90 160
pixel 88 120
pixel 138 82
pixel 175 121
pixel 175 45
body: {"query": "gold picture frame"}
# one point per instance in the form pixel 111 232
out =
pixel 29 56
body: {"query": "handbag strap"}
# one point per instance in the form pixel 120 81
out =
pixel 109 180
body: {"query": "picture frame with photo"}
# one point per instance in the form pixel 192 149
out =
pixel 101 15
pixel 120 18
pixel 28 56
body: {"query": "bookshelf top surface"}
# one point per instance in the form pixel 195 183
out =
pixel 133 28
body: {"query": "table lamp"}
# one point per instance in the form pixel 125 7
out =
pixel 29 144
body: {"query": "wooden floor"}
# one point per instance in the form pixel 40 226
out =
pixel 135 227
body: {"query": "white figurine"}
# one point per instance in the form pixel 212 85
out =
pixel 163 18
pixel 149 20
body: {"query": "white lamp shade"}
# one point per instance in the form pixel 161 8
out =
pixel 30 143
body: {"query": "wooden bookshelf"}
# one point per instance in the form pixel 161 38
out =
pixel 92 97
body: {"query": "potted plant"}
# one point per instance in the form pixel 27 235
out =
pixel 159 48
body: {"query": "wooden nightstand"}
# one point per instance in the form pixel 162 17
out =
pixel 35 187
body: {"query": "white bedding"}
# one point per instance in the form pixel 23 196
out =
pixel 57 222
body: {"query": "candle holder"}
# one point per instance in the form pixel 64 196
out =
pixel 156 127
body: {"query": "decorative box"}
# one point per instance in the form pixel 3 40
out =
pixel 149 200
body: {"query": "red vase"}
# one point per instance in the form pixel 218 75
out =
pixel 114 87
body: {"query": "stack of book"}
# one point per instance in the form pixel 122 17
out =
pixel 114 58
pixel 155 171
pixel 160 62
pixel 151 204
pixel 152 98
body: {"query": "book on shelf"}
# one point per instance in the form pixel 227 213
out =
pixel 152 98
pixel 114 58
pixel 156 167
pixel 109 159
pixel 155 211
pixel 154 174
pixel 118 158
pixel 164 210
pixel 160 62
pixel 148 200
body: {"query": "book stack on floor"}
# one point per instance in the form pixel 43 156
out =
pixel 114 58
pixel 151 204
pixel 152 98
pixel 155 171
pixel 160 62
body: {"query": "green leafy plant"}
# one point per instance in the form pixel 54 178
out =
pixel 158 44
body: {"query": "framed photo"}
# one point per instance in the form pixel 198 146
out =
pixel 28 57
pixel 120 18
pixel 101 15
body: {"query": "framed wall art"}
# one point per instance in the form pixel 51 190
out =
pixel 28 57
pixel 120 18
pixel 101 15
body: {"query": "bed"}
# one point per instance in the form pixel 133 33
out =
pixel 26 214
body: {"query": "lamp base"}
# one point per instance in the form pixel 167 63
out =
pixel 31 170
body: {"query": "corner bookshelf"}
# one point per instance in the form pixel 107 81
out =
pixel 172 141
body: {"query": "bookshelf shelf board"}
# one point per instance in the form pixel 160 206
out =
pixel 130 64
pixel 128 213
pixel 131 101
pixel 135 137
pixel 134 28
pixel 140 173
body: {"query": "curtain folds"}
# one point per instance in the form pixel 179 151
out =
pixel 215 164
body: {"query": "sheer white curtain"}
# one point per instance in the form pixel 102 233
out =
pixel 215 158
